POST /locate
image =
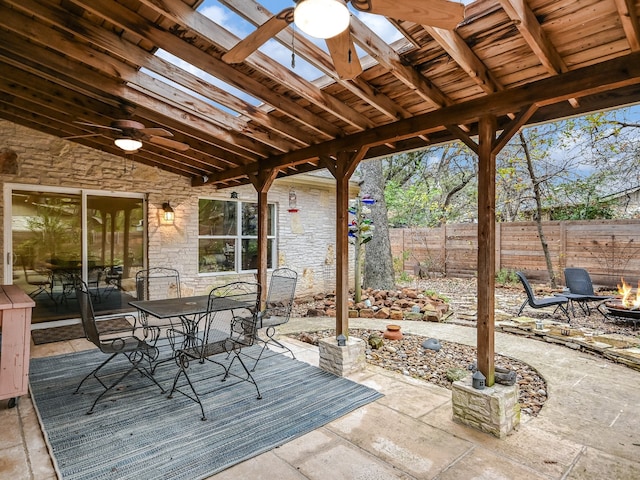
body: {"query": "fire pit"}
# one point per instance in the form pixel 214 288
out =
pixel 626 307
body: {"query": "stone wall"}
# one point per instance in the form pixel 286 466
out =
pixel 306 236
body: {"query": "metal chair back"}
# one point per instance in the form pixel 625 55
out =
pixel 578 281
pixel 158 282
pixel 280 296
pixel 87 313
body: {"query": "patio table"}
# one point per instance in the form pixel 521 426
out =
pixel 189 310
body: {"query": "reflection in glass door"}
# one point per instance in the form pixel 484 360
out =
pixel 58 235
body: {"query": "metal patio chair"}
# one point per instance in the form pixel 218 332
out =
pixel 157 282
pixel 93 281
pixel 42 280
pixel 277 311
pixel 137 349
pixel 580 287
pixel 532 301
pixel 217 337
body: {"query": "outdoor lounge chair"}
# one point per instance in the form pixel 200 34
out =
pixel 282 289
pixel 558 301
pixel 580 287
pixel 136 349
pixel 221 333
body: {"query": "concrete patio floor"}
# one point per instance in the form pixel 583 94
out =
pixel 589 427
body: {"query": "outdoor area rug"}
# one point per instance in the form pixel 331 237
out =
pixel 139 433
pixel 71 332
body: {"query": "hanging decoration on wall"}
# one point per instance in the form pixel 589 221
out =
pixel 293 201
pixel 360 232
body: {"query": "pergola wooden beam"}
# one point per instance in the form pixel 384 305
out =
pixel 630 24
pixel 615 73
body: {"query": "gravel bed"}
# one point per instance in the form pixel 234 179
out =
pixel 407 357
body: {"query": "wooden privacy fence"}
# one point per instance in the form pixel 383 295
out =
pixel 608 249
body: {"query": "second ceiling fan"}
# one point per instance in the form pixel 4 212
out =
pixel 129 135
pixel 329 20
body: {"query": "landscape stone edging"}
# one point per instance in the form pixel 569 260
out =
pixel 584 340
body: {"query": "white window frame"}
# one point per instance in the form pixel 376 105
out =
pixel 239 237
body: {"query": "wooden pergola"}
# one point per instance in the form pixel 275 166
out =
pixel 506 64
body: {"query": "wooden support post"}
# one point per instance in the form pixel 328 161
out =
pixel 262 183
pixel 342 251
pixel 486 248
pixel 342 169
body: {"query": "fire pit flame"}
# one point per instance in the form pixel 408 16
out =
pixel 628 300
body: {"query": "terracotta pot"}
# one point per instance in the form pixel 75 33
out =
pixel 392 332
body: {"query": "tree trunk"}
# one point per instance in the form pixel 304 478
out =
pixel 378 264
pixel 537 196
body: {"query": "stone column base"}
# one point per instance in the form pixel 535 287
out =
pixel 493 410
pixel 342 360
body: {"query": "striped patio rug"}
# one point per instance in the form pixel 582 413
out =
pixel 138 433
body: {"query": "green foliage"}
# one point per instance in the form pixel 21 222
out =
pixel 578 200
pixel 506 277
pixel 398 262
pixel 434 294
pixel 404 277
pixel 431 186
pixel 574 163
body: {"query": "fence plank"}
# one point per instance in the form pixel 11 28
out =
pixel 608 249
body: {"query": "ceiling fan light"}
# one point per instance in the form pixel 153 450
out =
pixel 128 144
pixel 321 18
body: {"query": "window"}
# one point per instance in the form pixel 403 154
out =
pixel 228 236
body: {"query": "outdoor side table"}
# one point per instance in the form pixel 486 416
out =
pixel 15 322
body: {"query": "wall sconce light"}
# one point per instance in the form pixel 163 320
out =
pixel 169 215
pixel 342 340
pixel 234 194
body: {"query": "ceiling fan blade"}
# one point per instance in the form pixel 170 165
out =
pixel 436 13
pixel 83 136
pixel 167 142
pixel 158 132
pixel 259 36
pixel 87 124
pixel 344 56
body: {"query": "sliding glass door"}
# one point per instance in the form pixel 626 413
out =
pixel 56 235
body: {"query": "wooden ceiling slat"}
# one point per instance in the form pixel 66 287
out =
pixel 304 48
pixel 630 24
pixel 187 19
pixel 602 77
pixel 96 61
pixel 178 46
pixel 119 70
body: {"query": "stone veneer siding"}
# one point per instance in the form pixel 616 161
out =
pixel 306 239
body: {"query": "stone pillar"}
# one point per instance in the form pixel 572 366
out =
pixel 493 410
pixel 342 360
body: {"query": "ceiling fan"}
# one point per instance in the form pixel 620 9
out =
pixel 130 134
pixel 329 20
